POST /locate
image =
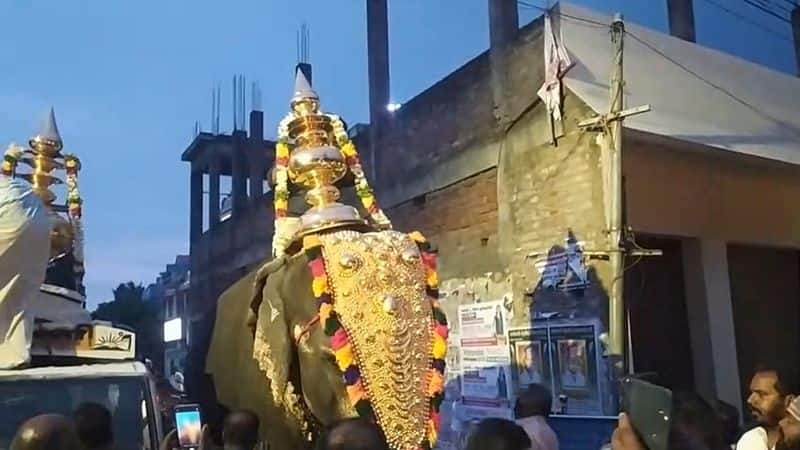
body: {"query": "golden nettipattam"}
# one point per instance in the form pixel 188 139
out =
pixel 344 320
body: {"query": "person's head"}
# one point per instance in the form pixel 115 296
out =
pixel 524 357
pixel 498 434
pixel 46 432
pixel 536 400
pixel 729 418
pixel 771 391
pixel 94 426
pixel 353 434
pixel 240 430
pixel 695 424
pixel 790 426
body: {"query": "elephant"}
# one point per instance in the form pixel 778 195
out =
pixel 272 348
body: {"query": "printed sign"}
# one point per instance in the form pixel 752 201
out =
pixel 564 269
pixel 485 359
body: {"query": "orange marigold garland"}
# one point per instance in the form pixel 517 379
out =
pixel 342 347
pixel 440 333
pixel 281 192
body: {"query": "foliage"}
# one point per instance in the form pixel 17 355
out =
pixel 129 309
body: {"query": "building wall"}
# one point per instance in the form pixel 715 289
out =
pixel 765 289
pixel 676 190
pixel 546 192
pixel 461 220
pixel 224 254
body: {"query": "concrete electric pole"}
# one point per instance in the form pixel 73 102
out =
pixel 610 125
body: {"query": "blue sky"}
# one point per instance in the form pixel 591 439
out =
pixel 129 78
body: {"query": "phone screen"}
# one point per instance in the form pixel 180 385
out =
pixel 188 424
pixel 649 408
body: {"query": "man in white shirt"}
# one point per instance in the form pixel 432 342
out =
pixel 771 392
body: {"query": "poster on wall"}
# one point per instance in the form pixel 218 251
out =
pixel 486 377
pixel 452 376
pixel 530 354
pixel 577 367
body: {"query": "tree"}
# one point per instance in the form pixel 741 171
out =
pixel 129 309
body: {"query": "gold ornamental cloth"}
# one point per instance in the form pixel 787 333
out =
pixel 377 281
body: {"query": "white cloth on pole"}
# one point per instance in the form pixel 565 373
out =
pixel 24 252
pixel 556 64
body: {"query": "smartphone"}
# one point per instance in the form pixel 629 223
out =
pixel 189 425
pixel 649 408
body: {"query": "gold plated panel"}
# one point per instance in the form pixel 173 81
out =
pixel 378 286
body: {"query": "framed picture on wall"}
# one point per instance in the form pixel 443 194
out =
pixel 528 362
pixel 573 362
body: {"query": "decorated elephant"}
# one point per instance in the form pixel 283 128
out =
pixel 343 321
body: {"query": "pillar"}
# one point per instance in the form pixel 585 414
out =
pixel 681 19
pixel 503 29
pixel 711 322
pixel 378 60
pixel 239 179
pixel 195 204
pixel 503 22
pixel 213 192
pixel 378 64
pixel 796 34
pixel 257 174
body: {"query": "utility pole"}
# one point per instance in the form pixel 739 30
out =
pixel 610 125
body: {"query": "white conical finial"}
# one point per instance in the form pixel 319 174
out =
pixel 302 88
pixel 49 128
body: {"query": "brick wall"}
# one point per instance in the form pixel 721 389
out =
pixel 545 192
pixel 457 113
pixel 461 220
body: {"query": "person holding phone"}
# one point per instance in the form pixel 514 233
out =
pixel 771 392
pixel 790 427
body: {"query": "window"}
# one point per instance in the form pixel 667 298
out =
pixel 22 399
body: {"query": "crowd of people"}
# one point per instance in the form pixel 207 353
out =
pixel 695 424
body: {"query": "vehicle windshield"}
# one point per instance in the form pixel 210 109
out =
pixel 123 396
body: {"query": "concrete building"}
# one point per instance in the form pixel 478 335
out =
pixel 709 177
pixel 225 245
pixel 474 163
pixel 170 292
pixel 177 334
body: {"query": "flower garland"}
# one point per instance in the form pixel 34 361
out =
pixel 10 160
pixel 72 165
pixel 75 206
pixel 281 193
pixel 440 334
pixel 363 189
pixel 342 347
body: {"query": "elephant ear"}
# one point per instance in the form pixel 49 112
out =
pixel 272 344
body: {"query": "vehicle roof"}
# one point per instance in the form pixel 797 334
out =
pixel 116 369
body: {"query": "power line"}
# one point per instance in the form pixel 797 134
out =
pixel 776 4
pixel 747 20
pixel 678 64
pixel 773 3
pixel 713 85
pixel 792 3
pixel 561 14
pixel 767 11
